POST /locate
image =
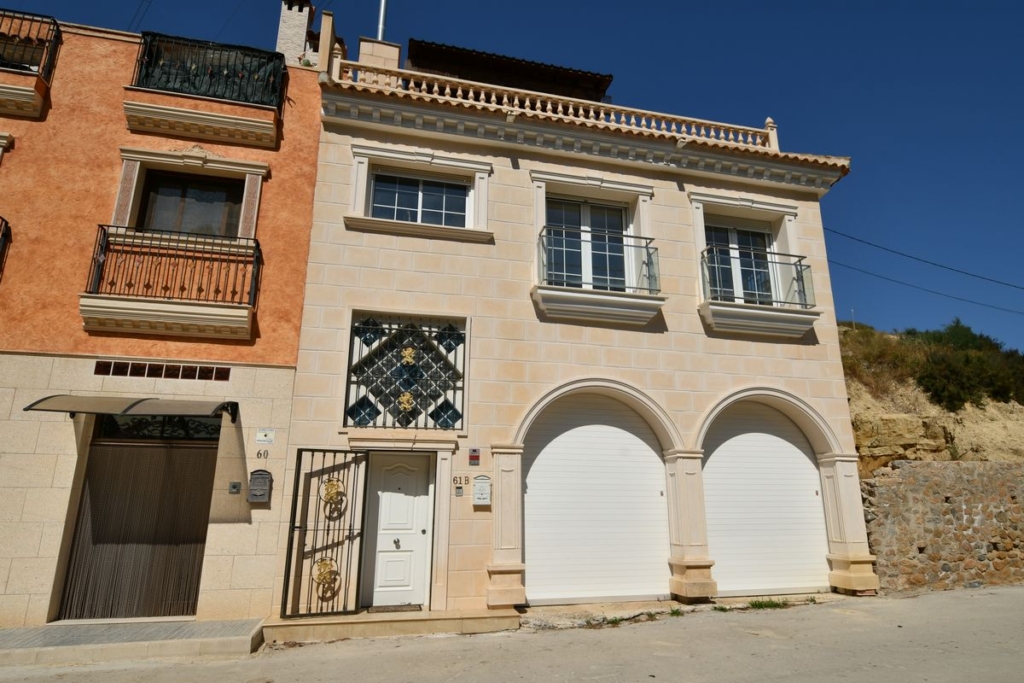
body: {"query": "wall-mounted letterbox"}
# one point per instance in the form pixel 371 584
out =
pixel 481 491
pixel 260 483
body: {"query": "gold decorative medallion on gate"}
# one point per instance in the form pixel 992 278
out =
pixel 406 402
pixel 325 572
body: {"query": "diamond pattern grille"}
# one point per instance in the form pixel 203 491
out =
pixel 406 373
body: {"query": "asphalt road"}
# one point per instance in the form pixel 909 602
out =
pixel 962 636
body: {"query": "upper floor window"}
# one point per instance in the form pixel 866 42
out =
pixel 585 245
pixel 419 200
pixel 750 282
pixel 196 204
pixel 738 263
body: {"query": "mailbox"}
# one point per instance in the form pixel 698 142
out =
pixel 260 483
pixel 482 490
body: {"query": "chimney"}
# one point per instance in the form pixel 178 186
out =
pixel 292 33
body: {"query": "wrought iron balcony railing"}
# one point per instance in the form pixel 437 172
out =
pixel 5 237
pixel 224 72
pixel 592 259
pixel 749 276
pixel 155 264
pixel 28 42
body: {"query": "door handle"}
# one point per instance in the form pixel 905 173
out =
pixel 423 531
pixel 398 544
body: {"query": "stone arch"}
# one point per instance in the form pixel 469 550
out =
pixel 822 438
pixel 652 413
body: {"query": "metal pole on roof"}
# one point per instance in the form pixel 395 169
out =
pixel 380 21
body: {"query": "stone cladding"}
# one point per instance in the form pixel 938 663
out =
pixel 942 525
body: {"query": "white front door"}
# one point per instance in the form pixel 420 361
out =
pixel 397 555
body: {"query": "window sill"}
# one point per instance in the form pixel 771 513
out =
pixel 591 305
pixel 404 229
pixel 165 318
pixel 737 318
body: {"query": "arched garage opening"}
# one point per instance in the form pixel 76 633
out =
pixel 763 503
pixel 595 508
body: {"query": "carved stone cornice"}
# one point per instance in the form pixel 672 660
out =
pixel 202 125
pixel 700 159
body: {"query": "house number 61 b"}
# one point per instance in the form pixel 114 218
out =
pixel 461 481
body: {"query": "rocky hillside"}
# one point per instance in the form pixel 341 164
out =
pixel 905 425
pixel 895 419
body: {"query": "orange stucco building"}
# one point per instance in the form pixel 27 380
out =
pixel 158 193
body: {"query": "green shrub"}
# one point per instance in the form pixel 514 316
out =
pixel 954 366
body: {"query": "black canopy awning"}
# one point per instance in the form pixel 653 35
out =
pixel 128 406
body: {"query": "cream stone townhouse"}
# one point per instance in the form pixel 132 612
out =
pixel 555 350
pixel 400 342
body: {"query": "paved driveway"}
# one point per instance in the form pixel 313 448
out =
pixel 959 636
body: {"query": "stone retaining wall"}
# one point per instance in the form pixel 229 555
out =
pixel 941 525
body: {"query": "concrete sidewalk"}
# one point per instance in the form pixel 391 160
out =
pixel 80 643
pixel 954 636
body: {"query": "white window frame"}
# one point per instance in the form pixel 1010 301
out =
pixel 421 177
pixel 734 225
pixel 588 304
pixel 586 232
pixel 737 317
pixel 368 161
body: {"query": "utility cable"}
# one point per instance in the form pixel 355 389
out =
pixel 930 263
pixel 230 17
pixel 137 18
pixel 924 289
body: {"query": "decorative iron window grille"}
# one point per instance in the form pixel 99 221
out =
pixel 406 373
pixel 28 42
pixel 224 72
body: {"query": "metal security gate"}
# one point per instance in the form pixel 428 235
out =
pixel 325 533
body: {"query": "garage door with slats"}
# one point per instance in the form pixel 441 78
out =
pixel 766 523
pixel 595 513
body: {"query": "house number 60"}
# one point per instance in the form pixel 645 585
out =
pixel 263 455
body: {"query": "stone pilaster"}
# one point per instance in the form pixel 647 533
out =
pixel 849 557
pixel 688 536
pixel 506 587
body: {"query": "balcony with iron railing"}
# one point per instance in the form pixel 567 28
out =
pixel 597 276
pixel 5 239
pixel 210 90
pixel 754 291
pixel 28 52
pixel 171 283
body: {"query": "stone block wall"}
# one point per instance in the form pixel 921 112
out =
pixel 942 525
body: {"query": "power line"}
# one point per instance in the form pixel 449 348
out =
pixel 930 263
pixel 229 17
pixel 143 7
pixel 924 289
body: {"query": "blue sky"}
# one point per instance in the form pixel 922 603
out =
pixel 928 102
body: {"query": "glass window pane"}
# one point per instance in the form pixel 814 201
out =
pixel 433 217
pixel 194 204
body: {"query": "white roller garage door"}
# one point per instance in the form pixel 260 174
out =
pixel 766 524
pixel 594 505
